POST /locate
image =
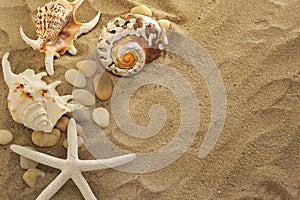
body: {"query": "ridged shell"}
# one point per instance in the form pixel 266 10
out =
pixel 57 29
pixel 129 42
pixel 50 20
pixel 32 102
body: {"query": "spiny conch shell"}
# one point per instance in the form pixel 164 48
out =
pixel 130 41
pixel 32 102
pixel 57 29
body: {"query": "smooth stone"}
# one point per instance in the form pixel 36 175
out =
pixel 79 130
pixel 32 175
pixel 101 117
pixel 81 115
pixel 42 139
pixel 62 124
pixel 26 163
pixel 103 86
pixel 164 23
pixel 79 140
pixel 87 67
pixel 75 78
pixel 5 137
pixel 142 9
pixel 84 97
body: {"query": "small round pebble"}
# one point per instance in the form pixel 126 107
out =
pixel 84 97
pixel 164 23
pixel 142 9
pixel 103 86
pixel 32 175
pixel 75 78
pixel 101 117
pixel 79 140
pixel 81 115
pixel 87 67
pixel 26 163
pixel 62 124
pixel 5 137
pixel 42 139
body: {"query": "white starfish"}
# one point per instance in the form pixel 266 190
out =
pixel 72 167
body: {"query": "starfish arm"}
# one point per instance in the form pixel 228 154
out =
pixel 39 157
pixel 83 186
pixel 72 140
pixel 54 186
pixel 91 165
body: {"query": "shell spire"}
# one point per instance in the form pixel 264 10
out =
pixel 57 29
pixel 32 102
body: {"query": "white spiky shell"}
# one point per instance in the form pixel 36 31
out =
pixel 31 101
pixel 57 29
pixel 130 41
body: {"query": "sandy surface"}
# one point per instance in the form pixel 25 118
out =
pixel 256 47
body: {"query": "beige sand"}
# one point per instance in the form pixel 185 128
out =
pixel 256 46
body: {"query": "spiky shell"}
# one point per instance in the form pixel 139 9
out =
pixel 50 20
pixel 130 41
pixel 32 102
pixel 57 29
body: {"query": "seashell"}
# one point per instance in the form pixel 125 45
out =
pixel 57 29
pixel 32 102
pixel 129 42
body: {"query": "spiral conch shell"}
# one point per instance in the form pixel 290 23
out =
pixel 130 41
pixel 32 102
pixel 57 29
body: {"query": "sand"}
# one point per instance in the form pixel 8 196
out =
pixel 256 47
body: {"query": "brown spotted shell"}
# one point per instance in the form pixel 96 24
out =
pixel 50 20
pixel 130 41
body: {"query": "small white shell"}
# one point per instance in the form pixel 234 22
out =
pixel 32 102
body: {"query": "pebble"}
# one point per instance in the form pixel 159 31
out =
pixel 26 163
pixel 142 9
pixel 103 86
pixel 87 67
pixel 62 124
pixel 101 117
pixel 79 130
pixel 42 139
pixel 5 137
pixel 164 23
pixel 32 175
pixel 80 142
pixel 81 115
pixel 84 97
pixel 75 78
